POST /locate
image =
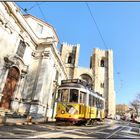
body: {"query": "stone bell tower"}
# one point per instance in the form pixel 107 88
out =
pixel 70 55
pixel 102 65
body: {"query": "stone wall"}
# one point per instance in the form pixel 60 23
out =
pixel 103 77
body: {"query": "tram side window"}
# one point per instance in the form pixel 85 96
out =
pixel 97 103
pixel 64 96
pixel 74 95
pixel 102 104
pixel 59 95
pixel 92 100
pixel 82 97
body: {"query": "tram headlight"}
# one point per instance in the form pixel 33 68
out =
pixel 62 112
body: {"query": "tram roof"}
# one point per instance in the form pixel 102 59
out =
pixel 78 83
pixel 75 83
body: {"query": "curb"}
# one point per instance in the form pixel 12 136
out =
pixel 19 123
pixel 12 122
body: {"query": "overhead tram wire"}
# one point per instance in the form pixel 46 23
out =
pixel 46 20
pixel 38 4
pixel 23 9
pixel 98 29
pixel 41 11
pixel 96 25
pixel 32 7
pixel 27 10
pixel 59 43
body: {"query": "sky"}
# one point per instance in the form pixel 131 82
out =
pixel 119 25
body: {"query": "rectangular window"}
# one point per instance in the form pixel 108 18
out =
pixel 74 95
pixel 102 104
pixel 39 28
pixel 94 101
pixel 64 96
pixel 21 49
pixel 82 97
pixel 99 104
pixel 59 95
pixel 91 100
pixel 57 75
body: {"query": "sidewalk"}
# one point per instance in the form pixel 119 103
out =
pixel 20 121
pixel 24 121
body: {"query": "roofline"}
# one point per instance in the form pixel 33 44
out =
pixel 10 9
pixel 45 23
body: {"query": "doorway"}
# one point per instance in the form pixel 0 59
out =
pixel 9 88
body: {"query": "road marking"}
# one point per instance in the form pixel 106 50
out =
pixel 128 130
pixel 59 133
pixel 128 136
pixel 113 127
pixel 95 131
pixel 103 132
pixel 25 130
pixel 52 134
pixel 75 136
pixel 114 133
pixel 46 134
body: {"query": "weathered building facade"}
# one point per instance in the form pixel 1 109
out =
pixel 121 109
pixel 30 65
pixel 99 75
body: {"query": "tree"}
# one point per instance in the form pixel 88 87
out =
pixel 136 104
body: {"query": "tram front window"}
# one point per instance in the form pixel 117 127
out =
pixel 74 95
pixel 64 95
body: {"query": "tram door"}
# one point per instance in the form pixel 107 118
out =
pixel 9 88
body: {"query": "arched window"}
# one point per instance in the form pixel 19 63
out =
pixel 102 63
pixel 70 59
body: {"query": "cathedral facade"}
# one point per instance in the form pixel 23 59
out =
pixel 99 75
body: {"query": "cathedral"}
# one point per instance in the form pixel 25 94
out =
pixel 99 76
pixel 31 67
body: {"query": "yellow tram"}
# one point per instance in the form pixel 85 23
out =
pixel 77 104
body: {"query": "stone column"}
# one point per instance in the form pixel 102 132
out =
pixel 17 103
pixel 43 84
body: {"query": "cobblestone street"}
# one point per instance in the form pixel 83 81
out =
pixel 109 129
